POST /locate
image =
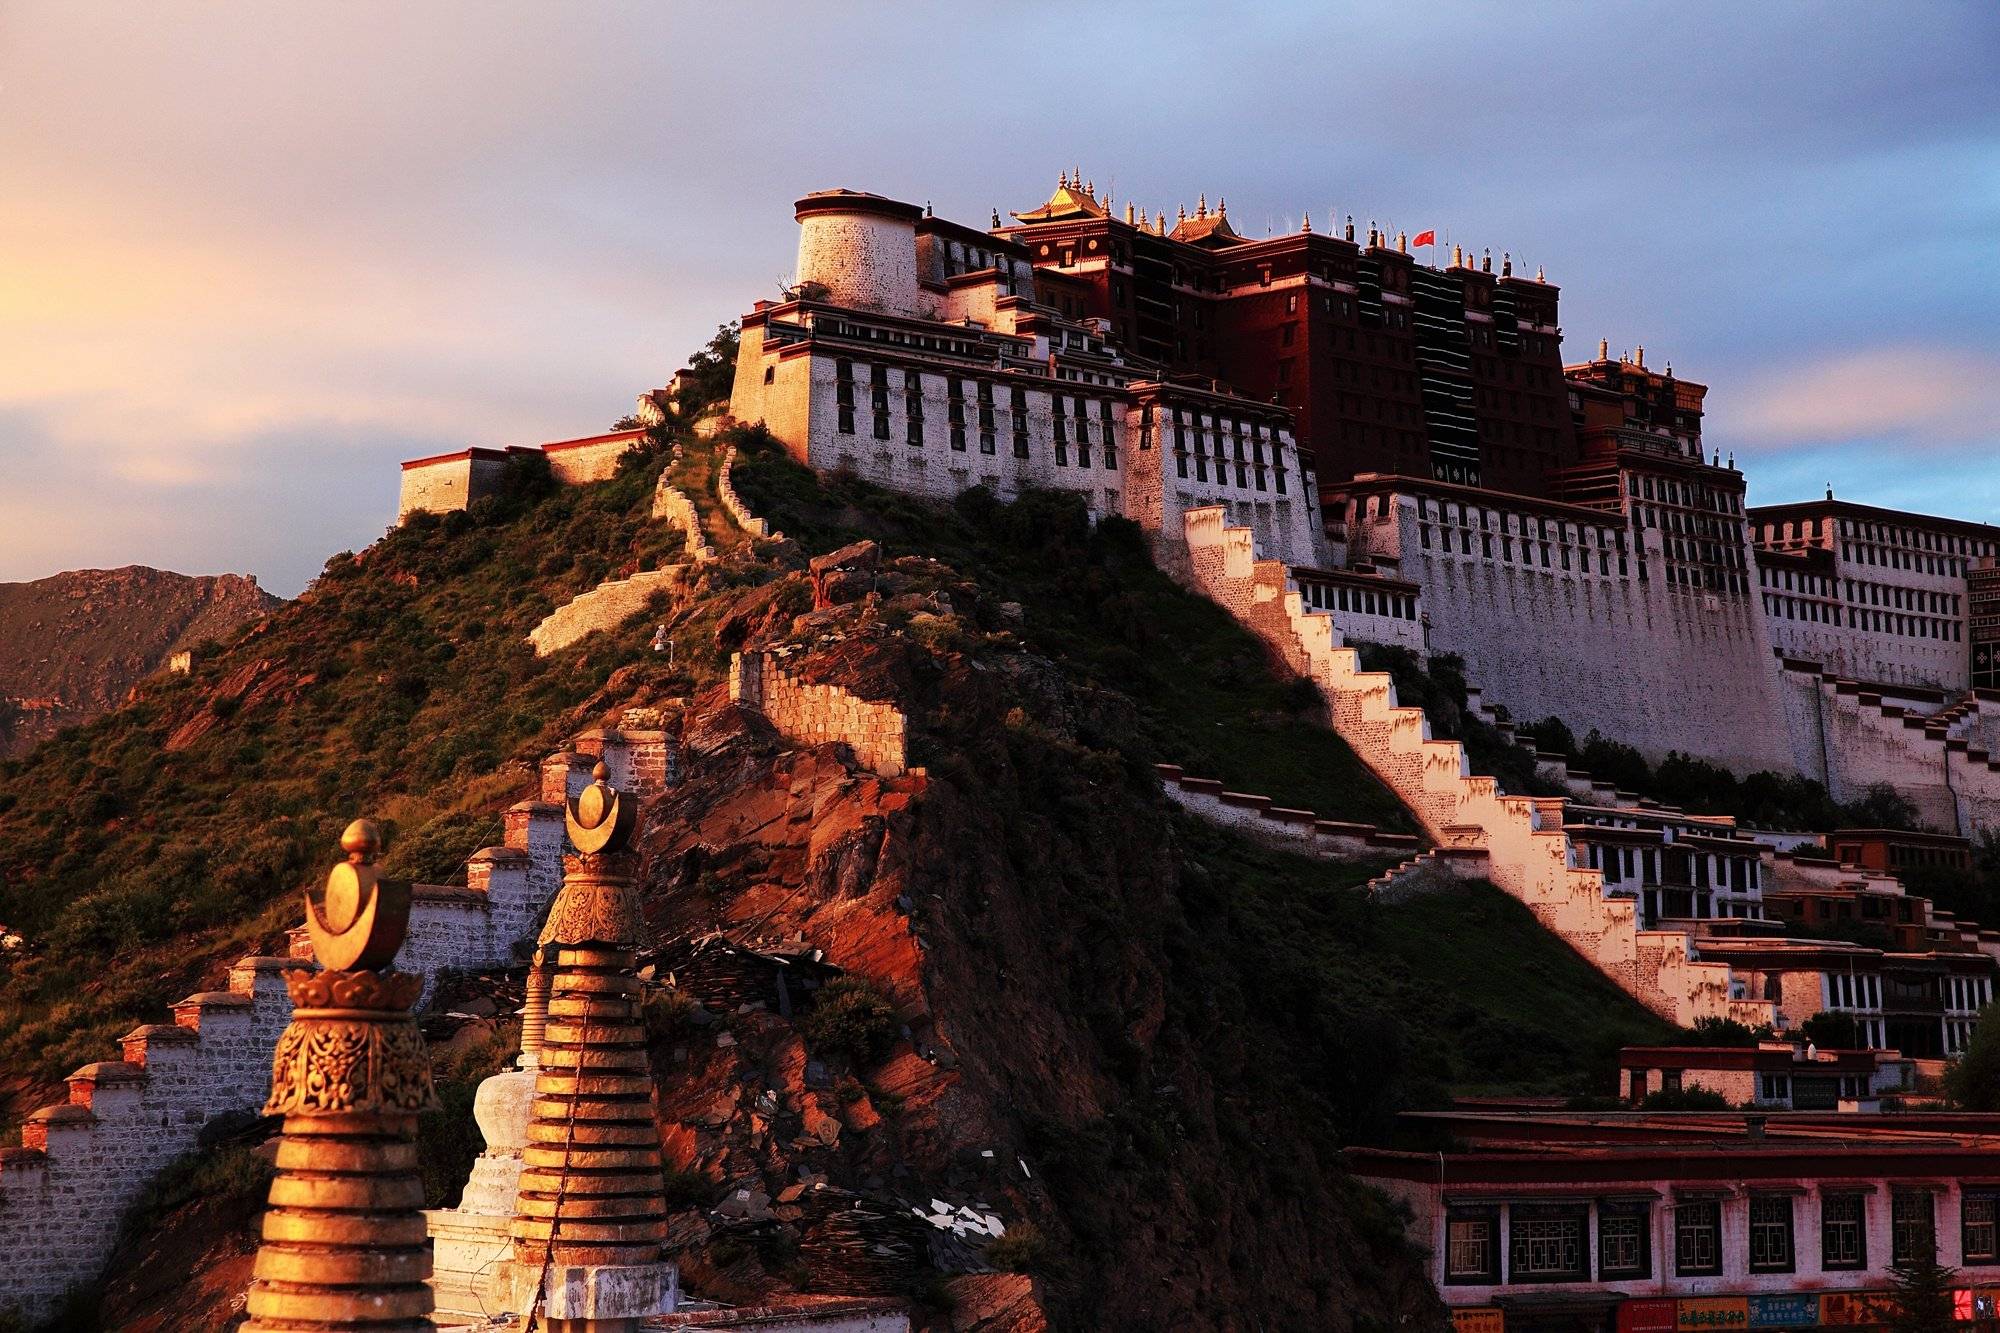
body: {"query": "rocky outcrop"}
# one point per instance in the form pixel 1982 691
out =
pixel 73 645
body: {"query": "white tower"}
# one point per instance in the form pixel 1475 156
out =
pixel 861 249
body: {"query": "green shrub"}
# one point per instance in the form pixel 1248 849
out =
pixel 850 1017
pixel 1022 1250
pixel 1685 1099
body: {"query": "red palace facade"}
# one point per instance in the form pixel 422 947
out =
pixel 1388 365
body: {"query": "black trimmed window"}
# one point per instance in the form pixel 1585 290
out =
pixel 1697 1237
pixel 843 393
pixel 1912 1227
pixel 1624 1240
pixel 955 411
pixel 1472 1245
pixel 913 407
pixel 1110 440
pixel 1771 1248
pixel 1843 1232
pixel 986 417
pixel 1548 1242
pixel 1979 1237
pixel 1019 399
pixel 878 392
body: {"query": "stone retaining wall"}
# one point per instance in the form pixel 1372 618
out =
pixel 82 1162
pixel 817 714
pixel 731 501
pixel 1530 857
pixel 1297 830
pixel 606 606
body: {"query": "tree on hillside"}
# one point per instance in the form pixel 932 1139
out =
pixel 1920 1297
pixel 1713 1031
pixel 1832 1031
pixel 1972 1081
pixel 709 372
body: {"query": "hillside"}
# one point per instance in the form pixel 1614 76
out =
pixel 72 645
pixel 1141 1036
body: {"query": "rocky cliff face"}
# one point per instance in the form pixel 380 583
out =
pixel 73 645
pixel 1076 1055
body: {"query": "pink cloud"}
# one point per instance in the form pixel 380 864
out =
pixel 1916 395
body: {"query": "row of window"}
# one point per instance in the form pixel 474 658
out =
pixel 1685 494
pixel 1552 1242
pixel 1075 422
pixel 1659 865
pixel 1322 596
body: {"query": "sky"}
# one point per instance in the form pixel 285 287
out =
pixel 252 255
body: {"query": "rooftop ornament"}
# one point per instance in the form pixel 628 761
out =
pixel 343 1243
pixel 591 1214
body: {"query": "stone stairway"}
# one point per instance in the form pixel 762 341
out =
pixel 1296 830
pixel 84 1160
pixel 1529 855
pixel 1940 758
pixel 1428 872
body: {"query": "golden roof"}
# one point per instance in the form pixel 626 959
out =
pixel 1072 199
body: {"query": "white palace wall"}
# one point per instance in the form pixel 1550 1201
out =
pixel 1656 666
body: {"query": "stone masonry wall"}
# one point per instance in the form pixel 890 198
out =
pixel 1294 829
pixel 817 714
pixel 733 503
pixel 83 1161
pixel 1529 855
pixel 604 607
pixel 671 504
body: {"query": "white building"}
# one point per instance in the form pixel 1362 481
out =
pixel 913 352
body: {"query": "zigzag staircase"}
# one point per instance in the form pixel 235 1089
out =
pixel 83 1161
pixel 1529 855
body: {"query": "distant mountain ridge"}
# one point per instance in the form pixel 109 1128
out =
pixel 72 645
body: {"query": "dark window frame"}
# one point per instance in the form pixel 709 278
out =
pixel 1905 1233
pixel 1772 1229
pixel 1642 1215
pixel 1489 1273
pixel 1989 1202
pixel 1856 1227
pixel 1523 1215
pixel 1690 1217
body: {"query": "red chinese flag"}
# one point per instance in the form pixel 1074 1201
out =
pixel 1424 238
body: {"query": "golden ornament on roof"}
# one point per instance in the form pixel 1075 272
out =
pixel 361 919
pixel 600 817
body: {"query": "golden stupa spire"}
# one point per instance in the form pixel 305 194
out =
pixel 592 1189
pixel 343 1245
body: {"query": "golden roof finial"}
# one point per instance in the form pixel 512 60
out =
pixel 1403 242
pixel 1182 213
pixel 1222 207
pixel 1306 225
pixel 1457 256
pixel 1090 189
pixel 1640 359
pixel 590 1188
pixel 344 1232
pixel 1603 349
pixel 360 921
pixel 1201 205
pixel 1539 275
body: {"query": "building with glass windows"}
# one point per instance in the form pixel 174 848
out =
pixel 1674 1223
